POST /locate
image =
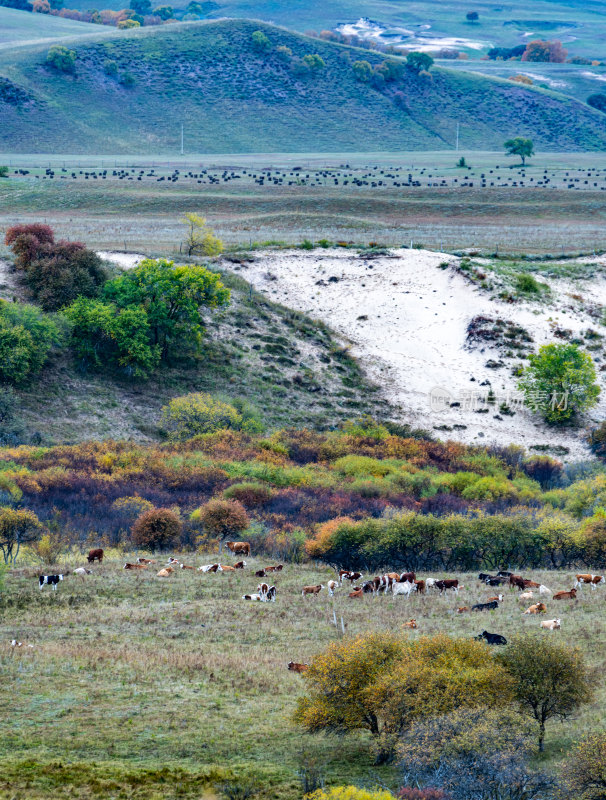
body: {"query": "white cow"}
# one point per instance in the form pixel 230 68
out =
pixel 404 587
pixel 551 624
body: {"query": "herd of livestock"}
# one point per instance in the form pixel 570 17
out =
pixel 393 583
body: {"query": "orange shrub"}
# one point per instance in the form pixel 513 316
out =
pixel 157 529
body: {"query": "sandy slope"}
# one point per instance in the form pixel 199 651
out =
pixel 407 319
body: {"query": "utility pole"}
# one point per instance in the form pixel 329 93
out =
pixel 457 146
pixel 182 139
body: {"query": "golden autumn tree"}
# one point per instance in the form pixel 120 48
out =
pixel 381 683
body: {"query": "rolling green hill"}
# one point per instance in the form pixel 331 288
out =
pixel 232 97
pixel 20 27
pixel 581 25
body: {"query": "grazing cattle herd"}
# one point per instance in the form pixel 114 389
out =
pixel 390 583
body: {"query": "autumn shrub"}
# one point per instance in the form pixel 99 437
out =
pixel 28 241
pixel 473 752
pixel 49 548
pixel 221 518
pixel 349 793
pixel 64 271
pixel 583 771
pixel 544 469
pixel 27 336
pixel 413 793
pixel 132 507
pixel 355 466
pixel 157 529
pixel 249 494
pixel 199 413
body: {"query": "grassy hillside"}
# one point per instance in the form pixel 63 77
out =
pixel 294 370
pixel 232 98
pixel 20 27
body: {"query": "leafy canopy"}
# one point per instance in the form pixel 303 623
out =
pixel 559 382
pixel 519 146
pixel 172 297
pixel 381 683
pixel 550 679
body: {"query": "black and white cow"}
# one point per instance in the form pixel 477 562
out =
pixel 50 580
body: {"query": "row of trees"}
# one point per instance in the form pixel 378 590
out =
pixel 416 696
pixel 407 540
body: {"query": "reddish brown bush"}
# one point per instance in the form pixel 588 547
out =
pixel 28 242
pixel 221 518
pixel 157 529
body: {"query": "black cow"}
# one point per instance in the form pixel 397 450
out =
pixel 485 606
pixel 491 638
pixel 496 581
pixel 50 580
pixel 483 576
pixel 503 574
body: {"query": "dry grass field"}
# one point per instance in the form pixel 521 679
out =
pixel 142 687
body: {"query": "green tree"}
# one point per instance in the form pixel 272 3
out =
pixel 142 7
pixel 362 70
pixel 3 171
pixel 110 68
pixel 221 518
pixel 550 679
pixel 314 62
pixel 472 16
pixel 519 146
pixel 172 296
pixel 419 62
pixel 584 770
pixel 105 335
pixel 46 331
pixel 260 42
pixel 17 527
pixel 381 684
pixel 61 58
pixel 559 382
pixel 200 238
pixel 164 12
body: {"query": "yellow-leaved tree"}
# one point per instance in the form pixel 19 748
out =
pixel 200 239
pixel 381 683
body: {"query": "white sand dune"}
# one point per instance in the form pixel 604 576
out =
pixel 407 319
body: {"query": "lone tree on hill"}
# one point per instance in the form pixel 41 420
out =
pixel 419 62
pixel 519 146
pixel 200 239
pixel 472 16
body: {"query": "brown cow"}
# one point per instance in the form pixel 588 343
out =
pixel 462 609
pixel 498 598
pixel 239 564
pixel 134 566
pixel 95 555
pixel 592 580
pixel 407 576
pixel 294 667
pixel 411 624
pixel 312 589
pixel 142 560
pixel 420 586
pixel 571 595
pixel 448 583
pixel 239 548
pixel 165 573
pixel 260 573
pixel 537 608
pixel 349 575
pixel 357 594
pixel 185 566
pixel 226 568
pixel 275 568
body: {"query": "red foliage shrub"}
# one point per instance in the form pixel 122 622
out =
pixel 28 242
pixel 222 518
pixel 157 529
